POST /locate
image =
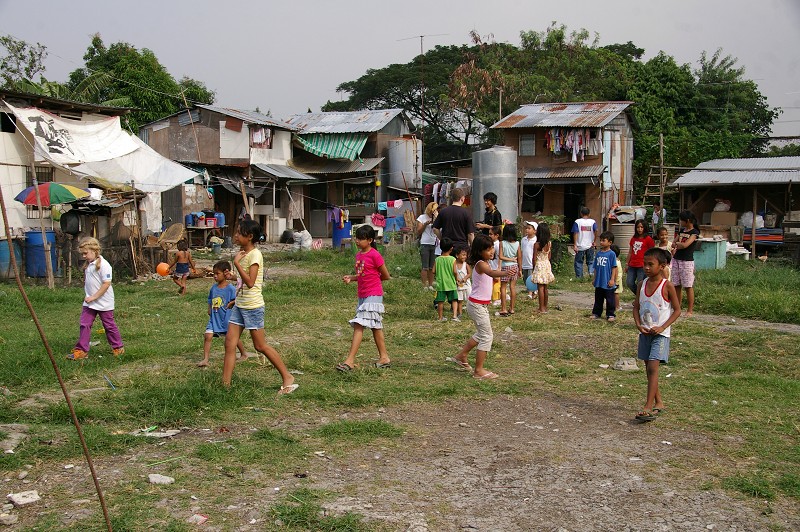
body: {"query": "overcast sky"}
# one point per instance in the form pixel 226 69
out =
pixel 289 56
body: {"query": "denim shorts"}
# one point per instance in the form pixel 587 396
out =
pixel 653 347
pixel 248 318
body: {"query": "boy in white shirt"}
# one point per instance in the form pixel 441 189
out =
pixel 527 243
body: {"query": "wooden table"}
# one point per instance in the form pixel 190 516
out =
pixel 199 233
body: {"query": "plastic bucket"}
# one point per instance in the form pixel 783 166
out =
pixel 6 270
pixel 220 216
pixel 188 220
pixel 216 249
pixel 341 234
pixel 35 265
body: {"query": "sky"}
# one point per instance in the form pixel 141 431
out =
pixel 286 57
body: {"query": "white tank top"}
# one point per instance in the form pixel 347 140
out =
pixel 654 309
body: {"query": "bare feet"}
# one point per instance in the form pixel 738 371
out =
pixel 202 364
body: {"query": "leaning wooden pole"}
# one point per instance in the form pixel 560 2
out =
pixel 48 268
pixel 49 350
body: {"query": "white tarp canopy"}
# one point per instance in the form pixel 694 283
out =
pixel 100 150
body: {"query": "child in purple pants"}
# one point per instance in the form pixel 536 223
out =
pixel 99 301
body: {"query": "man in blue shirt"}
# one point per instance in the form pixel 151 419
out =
pixel 605 275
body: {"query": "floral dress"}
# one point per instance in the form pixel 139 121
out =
pixel 542 271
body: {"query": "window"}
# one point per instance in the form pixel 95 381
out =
pixel 527 145
pixel 8 123
pixel 44 174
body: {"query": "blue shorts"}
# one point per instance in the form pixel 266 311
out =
pixel 248 318
pixel 653 347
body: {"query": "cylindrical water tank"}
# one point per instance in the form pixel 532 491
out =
pixel 404 161
pixel 495 170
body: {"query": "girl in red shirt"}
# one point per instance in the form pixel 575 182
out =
pixel 640 242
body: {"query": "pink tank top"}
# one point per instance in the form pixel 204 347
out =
pixel 481 287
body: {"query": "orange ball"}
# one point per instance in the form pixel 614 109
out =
pixel 162 268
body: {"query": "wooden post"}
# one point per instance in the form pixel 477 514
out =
pixel 48 264
pixel 753 228
pixel 244 197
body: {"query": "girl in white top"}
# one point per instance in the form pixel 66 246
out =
pixel 248 312
pixel 464 285
pixel 511 260
pixel 99 301
pixel 477 307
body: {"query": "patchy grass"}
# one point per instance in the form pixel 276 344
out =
pixel 735 386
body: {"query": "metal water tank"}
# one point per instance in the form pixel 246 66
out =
pixel 405 160
pixel 495 170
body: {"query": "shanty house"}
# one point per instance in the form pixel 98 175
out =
pixel 570 155
pixel 360 159
pixel 241 153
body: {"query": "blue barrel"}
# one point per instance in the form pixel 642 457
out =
pixel 188 220
pixel 6 270
pixel 35 265
pixel 340 234
pixel 220 216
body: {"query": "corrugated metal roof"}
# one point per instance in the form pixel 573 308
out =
pixel 251 117
pixel 585 114
pixel 567 172
pixel 754 171
pixel 343 122
pixel 284 172
pixel 335 166
pixel 757 163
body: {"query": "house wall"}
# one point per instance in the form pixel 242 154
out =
pixel 280 153
pixel 14 156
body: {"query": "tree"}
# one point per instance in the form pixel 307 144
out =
pixel 138 77
pixel 21 60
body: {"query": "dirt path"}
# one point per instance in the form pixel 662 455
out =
pixel 542 463
pixel 586 299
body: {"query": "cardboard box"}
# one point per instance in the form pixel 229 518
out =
pixel 724 218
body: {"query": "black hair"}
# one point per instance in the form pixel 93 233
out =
pixel 663 228
pixel 496 229
pixel 366 232
pixel 182 244
pixel 608 235
pixel 479 245
pixel 643 223
pixel 616 250
pixel 661 255
pixel 542 234
pixel 490 196
pixel 585 211
pixel 252 229
pixel 221 266
pixel 510 233
pixel 445 245
pixel 688 216
pixel 459 249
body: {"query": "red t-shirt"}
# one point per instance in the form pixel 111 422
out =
pixel 636 253
pixel 368 273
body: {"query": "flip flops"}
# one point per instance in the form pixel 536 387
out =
pixel 344 368
pixel 486 376
pixel 286 390
pixel 383 365
pixel 460 366
pixel 645 415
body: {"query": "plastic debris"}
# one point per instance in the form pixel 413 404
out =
pixel 155 478
pixel 197 519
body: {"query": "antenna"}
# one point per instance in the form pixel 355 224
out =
pixel 422 68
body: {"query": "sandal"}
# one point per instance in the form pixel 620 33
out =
pixel 77 354
pixel 644 415
pixel 344 368
pixel 461 366
pixel 286 390
pixel 383 365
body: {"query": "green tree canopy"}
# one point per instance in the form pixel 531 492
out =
pixel 20 60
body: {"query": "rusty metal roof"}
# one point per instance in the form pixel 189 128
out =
pixel 335 166
pixel 585 114
pixel 755 171
pixel 565 174
pixel 343 122
pixel 251 117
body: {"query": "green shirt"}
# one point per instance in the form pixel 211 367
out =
pixel 445 278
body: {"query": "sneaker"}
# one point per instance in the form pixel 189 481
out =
pixel 119 351
pixel 456 319
pixel 530 295
pixel 443 319
pixel 612 318
pixel 77 354
pixel 594 317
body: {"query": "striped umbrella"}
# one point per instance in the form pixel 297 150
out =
pixel 51 194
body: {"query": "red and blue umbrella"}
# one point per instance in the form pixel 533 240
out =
pixel 51 194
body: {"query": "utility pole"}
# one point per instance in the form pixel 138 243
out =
pixel 422 69
pixel 661 176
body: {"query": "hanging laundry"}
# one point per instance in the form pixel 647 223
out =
pixel 382 206
pixel 378 220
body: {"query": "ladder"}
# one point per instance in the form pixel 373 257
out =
pixel 656 186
